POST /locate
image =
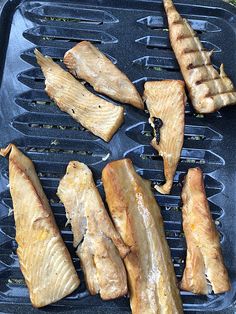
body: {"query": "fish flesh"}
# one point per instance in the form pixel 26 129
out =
pixel 205 269
pixel 99 246
pixel 86 62
pixel 44 259
pixel 137 217
pixel 208 89
pixel 166 104
pixel 99 116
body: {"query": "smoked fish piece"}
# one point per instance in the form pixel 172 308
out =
pixel 99 246
pixel 209 89
pixel 137 217
pixel 44 259
pixel 86 62
pixel 99 116
pixel 205 269
pixel 166 104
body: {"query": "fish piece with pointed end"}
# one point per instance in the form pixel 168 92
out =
pixel 209 90
pixel 205 269
pixel 85 61
pixel 137 217
pixel 100 247
pixel 99 116
pixel 166 104
pixel 44 259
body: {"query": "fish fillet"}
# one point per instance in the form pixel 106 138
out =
pixel 100 247
pixel 99 116
pixel 209 90
pixel 44 259
pixel 166 104
pixel 85 61
pixel 204 263
pixel 137 217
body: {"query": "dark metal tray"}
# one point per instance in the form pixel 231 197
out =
pixel 134 34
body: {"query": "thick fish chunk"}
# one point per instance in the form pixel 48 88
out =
pixel 44 259
pixel 100 247
pixel 205 269
pixel 85 61
pixel 137 217
pixel 209 90
pixel 166 103
pixel 99 116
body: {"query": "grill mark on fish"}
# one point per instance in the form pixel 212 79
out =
pixel 192 67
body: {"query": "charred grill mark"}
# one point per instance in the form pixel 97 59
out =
pixel 178 22
pixel 220 93
pixel 191 66
pixel 188 50
pixel 207 80
pixel 181 37
pixel 158 124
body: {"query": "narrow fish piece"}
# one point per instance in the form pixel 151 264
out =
pixel 99 116
pixel 85 61
pixel 205 269
pixel 166 104
pixel 209 90
pixel 44 259
pixel 100 247
pixel 137 217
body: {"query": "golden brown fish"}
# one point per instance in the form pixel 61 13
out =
pixel 44 259
pixel 166 103
pixel 85 61
pixel 101 246
pixel 97 115
pixel 209 90
pixel 138 219
pixel 205 269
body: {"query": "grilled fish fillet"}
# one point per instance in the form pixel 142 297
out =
pixel 97 115
pixel 138 219
pixel 44 259
pixel 85 61
pixel 204 262
pixel 209 90
pixel 101 245
pixel 166 103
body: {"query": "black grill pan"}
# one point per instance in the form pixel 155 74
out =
pixel 134 35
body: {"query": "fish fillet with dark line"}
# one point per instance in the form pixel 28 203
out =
pixel 209 90
pixel 99 116
pixel 44 259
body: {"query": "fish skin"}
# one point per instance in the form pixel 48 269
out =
pixel 137 217
pixel 99 116
pixel 204 257
pixel 208 89
pixel 87 62
pixel 166 100
pixel 44 259
pixel 99 246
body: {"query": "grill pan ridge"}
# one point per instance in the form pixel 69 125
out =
pixel 134 35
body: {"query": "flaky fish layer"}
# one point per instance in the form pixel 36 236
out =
pixel 97 115
pixel 209 90
pixel 44 259
pixel 85 61
pixel 204 262
pixel 100 247
pixel 137 217
pixel 166 101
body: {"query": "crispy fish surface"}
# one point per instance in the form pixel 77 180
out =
pixel 44 259
pixel 99 116
pixel 209 90
pixel 205 269
pixel 85 61
pixel 137 217
pixel 100 247
pixel 166 104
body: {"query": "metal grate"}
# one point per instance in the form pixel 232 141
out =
pixel 134 35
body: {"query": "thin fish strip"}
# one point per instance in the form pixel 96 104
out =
pixel 208 89
pixel 97 115
pixel 205 269
pixel 44 259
